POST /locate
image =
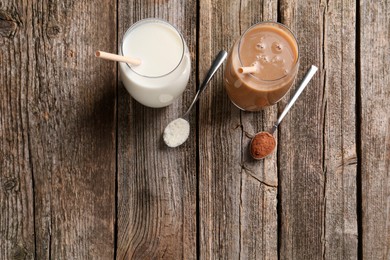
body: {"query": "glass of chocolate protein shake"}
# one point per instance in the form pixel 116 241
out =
pixel 261 66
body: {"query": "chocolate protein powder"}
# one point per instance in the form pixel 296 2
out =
pixel 262 145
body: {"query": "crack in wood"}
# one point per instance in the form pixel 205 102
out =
pixel 251 174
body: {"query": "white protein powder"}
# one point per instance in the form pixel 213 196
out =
pixel 176 132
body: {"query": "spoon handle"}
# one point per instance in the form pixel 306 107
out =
pixel 214 67
pixel 310 73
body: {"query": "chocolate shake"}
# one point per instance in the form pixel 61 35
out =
pixel 269 52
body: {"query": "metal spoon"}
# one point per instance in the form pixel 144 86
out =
pixel 177 131
pixel 269 135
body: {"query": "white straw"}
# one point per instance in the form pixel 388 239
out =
pixel 246 70
pixel 115 57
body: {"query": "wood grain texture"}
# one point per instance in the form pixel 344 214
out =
pixel 63 112
pixel 375 128
pixel 16 174
pixel 302 175
pixel 69 131
pixel 156 184
pixel 340 159
pixel 237 203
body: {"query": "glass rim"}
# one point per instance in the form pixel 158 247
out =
pixel 150 20
pixel 272 23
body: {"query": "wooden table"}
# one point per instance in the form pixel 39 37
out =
pixel 84 173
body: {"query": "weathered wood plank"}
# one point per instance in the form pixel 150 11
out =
pixel 375 128
pixel 301 142
pixel 156 184
pixel 72 121
pixel 340 160
pixel 238 213
pixel 62 104
pixel 16 173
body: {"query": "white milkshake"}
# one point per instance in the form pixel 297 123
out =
pixel 166 64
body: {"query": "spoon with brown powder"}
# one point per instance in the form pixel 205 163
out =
pixel 263 143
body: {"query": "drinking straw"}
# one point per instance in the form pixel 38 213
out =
pixel 246 70
pixel 115 57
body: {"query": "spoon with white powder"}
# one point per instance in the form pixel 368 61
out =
pixel 177 131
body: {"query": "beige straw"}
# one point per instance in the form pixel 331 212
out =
pixel 114 57
pixel 246 70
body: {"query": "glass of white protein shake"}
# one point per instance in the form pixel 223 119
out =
pixel 165 65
